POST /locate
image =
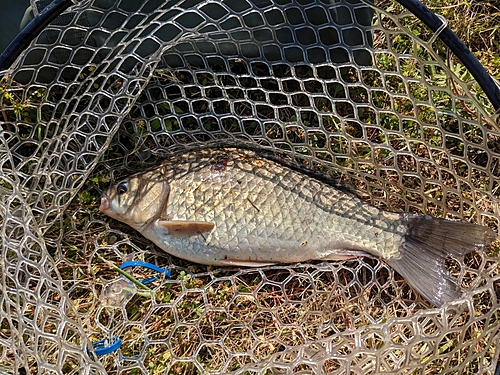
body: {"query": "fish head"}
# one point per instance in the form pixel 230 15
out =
pixel 136 200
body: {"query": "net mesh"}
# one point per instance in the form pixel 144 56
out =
pixel 344 87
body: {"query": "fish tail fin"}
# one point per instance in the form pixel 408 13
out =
pixel 428 242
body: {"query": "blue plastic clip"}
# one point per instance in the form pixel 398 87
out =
pixel 153 267
pixel 107 346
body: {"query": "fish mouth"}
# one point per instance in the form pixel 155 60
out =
pixel 104 206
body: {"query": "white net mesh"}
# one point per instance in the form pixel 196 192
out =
pixel 349 90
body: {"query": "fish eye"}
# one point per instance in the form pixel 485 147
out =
pixel 122 188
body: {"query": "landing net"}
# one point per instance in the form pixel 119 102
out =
pixel 361 93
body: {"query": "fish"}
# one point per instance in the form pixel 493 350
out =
pixel 236 207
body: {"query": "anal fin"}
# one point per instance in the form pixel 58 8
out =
pixel 342 254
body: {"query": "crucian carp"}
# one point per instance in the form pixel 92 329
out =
pixel 232 207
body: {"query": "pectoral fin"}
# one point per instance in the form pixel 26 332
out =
pixel 182 228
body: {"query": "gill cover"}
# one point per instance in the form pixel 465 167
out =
pixel 139 199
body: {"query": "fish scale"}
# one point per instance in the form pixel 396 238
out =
pixel 277 224
pixel 235 207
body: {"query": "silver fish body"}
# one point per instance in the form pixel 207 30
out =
pixel 233 207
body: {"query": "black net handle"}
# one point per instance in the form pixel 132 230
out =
pixel 32 29
pixel 460 50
